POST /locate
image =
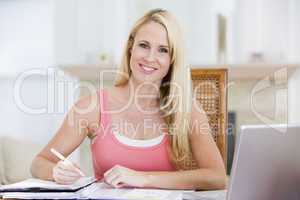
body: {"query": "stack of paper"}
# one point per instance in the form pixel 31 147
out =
pixel 44 195
pixel 150 194
pixel 85 188
pixel 40 189
pixel 37 185
pixel 205 195
pixel 103 191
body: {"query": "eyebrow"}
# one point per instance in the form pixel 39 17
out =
pixel 165 46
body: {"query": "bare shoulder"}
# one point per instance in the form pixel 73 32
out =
pixel 87 109
pixel 87 104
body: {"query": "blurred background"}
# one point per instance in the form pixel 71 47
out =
pixel 52 52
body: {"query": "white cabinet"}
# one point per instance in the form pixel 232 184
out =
pixel 88 30
pixel 263 30
pixel 74 32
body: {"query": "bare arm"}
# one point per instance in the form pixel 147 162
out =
pixel 75 127
pixel 211 172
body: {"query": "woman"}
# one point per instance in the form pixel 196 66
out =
pixel 153 97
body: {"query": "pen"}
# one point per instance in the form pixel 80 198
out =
pixel 61 157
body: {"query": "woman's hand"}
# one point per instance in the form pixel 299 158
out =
pixel 65 173
pixel 119 176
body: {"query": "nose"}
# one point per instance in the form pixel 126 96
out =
pixel 150 57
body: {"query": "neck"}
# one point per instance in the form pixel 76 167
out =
pixel 146 94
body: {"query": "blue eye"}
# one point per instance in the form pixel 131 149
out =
pixel 143 45
pixel 163 50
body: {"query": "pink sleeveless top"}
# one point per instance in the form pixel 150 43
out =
pixel 108 151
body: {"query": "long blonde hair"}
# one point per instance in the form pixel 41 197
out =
pixel 175 89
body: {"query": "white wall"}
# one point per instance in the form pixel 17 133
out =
pixel 86 29
pixel 34 106
pixel 52 32
pixel 202 39
pixel 294 55
pixel 198 20
pixel 65 31
pixel 27 39
pixel 27 42
pixel 269 105
pixel 294 31
pixel 294 99
pixel 17 123
pixel 26 35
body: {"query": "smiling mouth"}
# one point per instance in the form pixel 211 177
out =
pixel 147 69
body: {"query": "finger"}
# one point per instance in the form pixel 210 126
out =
pixel 70 169
pixel 71 172
pixel 108 172
pixel 73 167
pixel 116 181
pixel 63 181
pixel 110 177
pixel 122 185
pixel 68 172
pixel 77 166
pixel 68 178
pixel 115 168
pixel 65 178
pixel 58 178
pixel 67 165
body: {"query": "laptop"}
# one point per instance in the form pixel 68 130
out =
pixel 266 164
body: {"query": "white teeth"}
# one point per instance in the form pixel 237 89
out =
pixel 148 68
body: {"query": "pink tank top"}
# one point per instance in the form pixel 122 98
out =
pixel 108 151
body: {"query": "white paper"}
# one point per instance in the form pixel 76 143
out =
pixel 44 195
pixel 101 190
pixel 205 195
pixel 37 183
pixel 153 194
pixel 96 191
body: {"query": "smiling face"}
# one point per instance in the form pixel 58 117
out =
pixel 150 53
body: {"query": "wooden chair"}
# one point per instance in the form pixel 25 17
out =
pixel 209 86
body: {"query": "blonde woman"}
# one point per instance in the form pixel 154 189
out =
pixel 145 130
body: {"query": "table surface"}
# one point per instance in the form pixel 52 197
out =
pixel 203 195
pixel 206 195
